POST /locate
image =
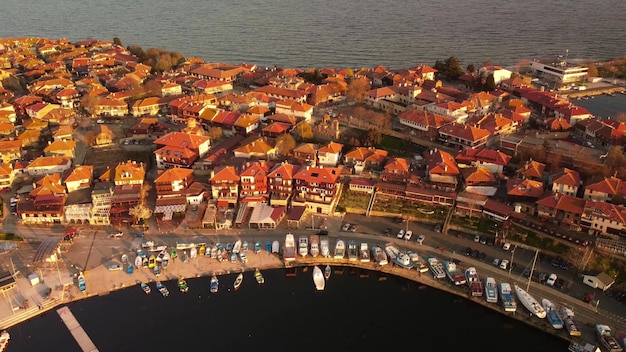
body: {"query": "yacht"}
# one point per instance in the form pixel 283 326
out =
pixel 436 267
pixel 353 251
pixel 506 297
pixel 530 302
pixel 364 253
pixel 403 260
pixel 289 250
pixel 340 249
pixel 318 278
pixel 379 255
pixel 491 290
pixel 606 338
pixel 567 315
pixel 392 251
pixel 315 245
pixel 324 247
pixel 303 246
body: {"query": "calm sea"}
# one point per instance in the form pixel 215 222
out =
pixel 337 33
pixel 352 314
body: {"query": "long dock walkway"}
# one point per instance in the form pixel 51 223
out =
pixel 77 331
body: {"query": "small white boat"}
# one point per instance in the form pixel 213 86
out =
pixel 315 245
pixel 567 315
pixel 289 249
pixel 146 289
pixel 318 278
pixel 353 251
pixel 327 271
pixel 4 340
pixel 193 252
pixel 506 297
pixel 238 281
pixel 392 251
pixel 214 284
pixel 259 277
pixel 379 255
pixel 436 267
pixel 491 290
pixel 115 267
pixel 237 247
pixel 124 259
pixel 530 302
pixel 364 253
pixel 276 247
pixel 243 257
pixel 138 262
pixel 340 249
pixel 303 246
pixel 551 313
pixel 325 247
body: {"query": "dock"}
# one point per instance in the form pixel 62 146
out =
pixel 77 331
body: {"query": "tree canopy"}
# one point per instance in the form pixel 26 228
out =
pixel 357 88
pixel 450 68
pixel 160 60
pixel 285 144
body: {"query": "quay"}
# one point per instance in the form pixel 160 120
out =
pixel 591 92
pixel 77 331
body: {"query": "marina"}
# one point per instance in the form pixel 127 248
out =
pixel 76 330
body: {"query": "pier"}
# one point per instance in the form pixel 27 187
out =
pixel 77 331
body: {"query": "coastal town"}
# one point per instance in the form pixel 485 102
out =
pixel 100 139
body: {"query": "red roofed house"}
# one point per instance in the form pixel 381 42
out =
pixel 218 71
pixel 603 219
pixel 493 160
pixel 396 170
pixel 300 110
pixel 532 170
pixel 562 209
pixel 479 180
pixel 283 93
pixel 362 185
pixel 463 136
pixel 280 183
pixel 566 181
pixel 44 204
pixel 317 188
pixel 177 149
pixel 451 109
pixel 110 107
pixel 425 124
pixel 47 165
pixel 605 132
pixel 10 150
pixel 79 178
pixel 496 124
pixel 361 158
pixel 442 170
pixel 7 175
pixel 572 113
pixel 329 154
pixel 170 186
pixel 224 182
pixel 254 182
pixel 608 190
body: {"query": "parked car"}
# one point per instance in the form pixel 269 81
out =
pixel 387 231
pixel 474 253
pixel 345 227
pixel 482 256
pixel 506 246
pixel 496 262
pixel 117 234
pixel 490 241
pixel 353 227
pixel 504 264
pixel 408 235
pixel 400 234
pixel 439 228
pixel 476 238
pixel 468 251
pixel 551 280
pixel 420 239
pixel 526 273
pixel 483 239
pixel 559 283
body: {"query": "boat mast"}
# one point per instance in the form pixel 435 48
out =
pixel 532 269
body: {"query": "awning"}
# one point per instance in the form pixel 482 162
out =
pixel 46 249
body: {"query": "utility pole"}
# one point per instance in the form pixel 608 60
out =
pixel 511 263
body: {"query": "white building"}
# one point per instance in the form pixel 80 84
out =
pixel 558 73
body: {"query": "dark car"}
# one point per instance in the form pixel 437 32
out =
pixel 559 283
pixel 474 253
pixel 467 251
pixel 398 220
pixel 387 231
pixel 526 273
pixel 483 239
pixel 490 241
pixel 482 256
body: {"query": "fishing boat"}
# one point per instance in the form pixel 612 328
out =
pixel 452 272
pixel 214 284
pixel 436 267
pixel 243 257
pixel 491 290
pixel 157 270
pixel 303 246
pixel 244 246
pixel 327 271
pixel 553 316
pixel 324 247
pixel 268 246
pixel 364 253
pixel 164 291
pixel 403 260
pixel 238 281
pixel 182 285
pixel 259 277
pixel 130 269
pixel 530 302
pixel 124 259
pixel 146 289
pixel 4 340
pixel 214 252
pixel 233 258
pixel 318 278
pixel 276 248
pixel 229 247
pixel 567 315
pixel 340 249
pixel 289 250
pixel 193 252
pixel 145 262
pixel 606 338
pixel 353 251
pixel 506 297
pixel 165 264
pixel 202 250
pixel 315 245
pixel 257 247
pixel 82 286
pixel 236 247
pixel 582 347
pixel 392 251
pixel 379 255
pixel 138 262
pixel 473 282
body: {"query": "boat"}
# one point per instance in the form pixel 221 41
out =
pixel 130 269
pixel 165 264
pixel 202 250
pixel 164 291
pixel 506 297
pixel 243 257
pixel 4 340
pixel 259 277
pixel 276 248
pixel 146 289
pixel 157 270
pixel 138 262
pixel 244 246
pixel 436 267
pixel 567 315
pixel 340 249
pixel 229 247
pixel 452 272
pixel 364 253
pixel 582 347
pixel 214 284
pixel 553 316
pixel 325 247
pixel 115 267
pixel 145 262
pixel 353 252
pixel 474 282
pixel 257 247
pixel 315 245
pixel 236 247
pixel 193 252
pixel 303 246
pixel 182 285
pixel 403 260
pixel 233 258
pixel 491 290
pixel 268 247
pixel 82 286
pixel 327 271
pixel 214 252
pixel 124 259
pixel 318 278
pixel 391 251
pixel 606 338
pixel 183 246
pixel 530 302
pixel 289 250
pixel 379 255
pixel 238 281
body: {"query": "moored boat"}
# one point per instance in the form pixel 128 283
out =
pixel 215 282
pixel 151 261
pixel 303 246
pixel 325 247
pixel 582 347
pixel 606 338
pixel 392 251
pixel 257 247
pixel 182 285
pixel 259 277
pixel 5 337
pixel 164 291
pixel 436 267
pixel 146 289
pixel 327 271
pixel 506 297
pixel 491 290
pixel 238 281
pixel 340 249
pixel 138 261
pixel 318 278
pixel 379 255
pixel 364 253
pixel 82 285
pixel 236 247
pixel 244 246
pixel 530 302
pixel 315 245
pixel 289 250
pixel 403 260
pixel 353 252
pixel 276 248
pixel 567 315
pixel 473 282
pixel 124 259
pixel 452 272
pixel 553 316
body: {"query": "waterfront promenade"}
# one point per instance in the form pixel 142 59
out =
pixel 94 251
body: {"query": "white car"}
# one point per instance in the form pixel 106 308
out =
pixel 551 280
pixel 116 234
pixel 420 239
pixel 506 246
pixel 504 264
pixel 408 234
pixel 401 234
pixel 476 238
pixel 345 227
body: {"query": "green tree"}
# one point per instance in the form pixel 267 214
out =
pixel 372 137
pixel 357 88
pixel 592 69
pixel 304 131
pixel 471 68
pixel 117 41
pixel 454 69
pixel 285 143
pixel 312 76
pixel 490 83
pixel 215 133
pixel 14 84
pixel 163 63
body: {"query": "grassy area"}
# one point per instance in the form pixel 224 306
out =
pixel 354 199
pixel 9 237
pixel 394 145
